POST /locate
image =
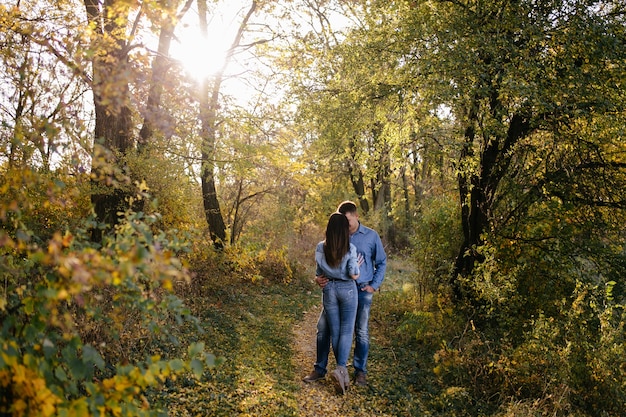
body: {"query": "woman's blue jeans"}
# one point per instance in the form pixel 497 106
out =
pixel 362 342
pixel 340 299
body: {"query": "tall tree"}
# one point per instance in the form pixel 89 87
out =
pixel 513 73
pixel 110 47
pixel 153 115
pixel 209 97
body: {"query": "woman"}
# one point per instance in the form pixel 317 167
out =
pixel 336 258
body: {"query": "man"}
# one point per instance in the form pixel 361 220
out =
pixel 373 262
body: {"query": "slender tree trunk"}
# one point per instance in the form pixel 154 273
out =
pixel 208 119
pixel 234 229
pixel 209 102
pixel 385 195
pixel 406 196
pixel 154 117
pixel 381 185
pixel 356 178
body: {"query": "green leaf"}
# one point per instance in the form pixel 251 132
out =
pixel 195 349
pixel 77 368
pixel 197 368
pixel 91 355
pixel 60 374
pixel 176 365
pixel 209 360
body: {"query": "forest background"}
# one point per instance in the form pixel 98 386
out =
pixel 157 224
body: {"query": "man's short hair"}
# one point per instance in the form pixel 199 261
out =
pixel 347 207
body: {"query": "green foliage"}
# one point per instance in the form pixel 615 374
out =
pixel 101 329
pixel 83 326
pixel 435 240
pixel 543 335
pixel 173 195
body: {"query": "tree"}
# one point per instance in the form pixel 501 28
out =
pixel 161 63
pixel 39 98
pixel 367 116
pixel 111 76
pixel 514 73
pixel 209 104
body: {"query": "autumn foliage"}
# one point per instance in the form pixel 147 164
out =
pixel 154 225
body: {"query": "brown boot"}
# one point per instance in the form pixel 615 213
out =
pixel 360 379
pixel 313 376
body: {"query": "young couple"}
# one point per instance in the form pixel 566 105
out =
pixel 350 267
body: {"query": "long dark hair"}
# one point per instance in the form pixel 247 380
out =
pixel 337 242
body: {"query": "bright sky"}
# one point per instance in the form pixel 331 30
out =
pixel 206 56
pixel 201 57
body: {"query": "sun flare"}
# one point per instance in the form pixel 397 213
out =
pixel 201 57
pixel 203 54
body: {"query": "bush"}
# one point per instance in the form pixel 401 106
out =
pixel 59 289
pixel 569 364
pixel 435 242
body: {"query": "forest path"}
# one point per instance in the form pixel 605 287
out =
pixel 394 370
pixel 316 398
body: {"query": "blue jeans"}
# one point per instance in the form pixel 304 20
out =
pixel 340 302
pixel 362 344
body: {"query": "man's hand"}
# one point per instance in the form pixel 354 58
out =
pixel 369 289
pixel 321 280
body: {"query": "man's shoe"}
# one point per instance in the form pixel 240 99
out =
pixel 313 376
pixel 340 376
pixel 360 379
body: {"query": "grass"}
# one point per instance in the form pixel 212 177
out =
pixel 251 326
pixel 264 331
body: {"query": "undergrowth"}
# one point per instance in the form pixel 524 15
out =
pixel 425 358
pixel 248 324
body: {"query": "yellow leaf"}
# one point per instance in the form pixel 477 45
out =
pixel 19 407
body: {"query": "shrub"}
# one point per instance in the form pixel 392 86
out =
pixel 57 358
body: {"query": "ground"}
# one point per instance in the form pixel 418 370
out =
pixel 317 398
pixel 265 333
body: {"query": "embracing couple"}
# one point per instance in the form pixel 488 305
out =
pixel 350 267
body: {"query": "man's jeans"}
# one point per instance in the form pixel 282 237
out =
pixel 362 344
pixel 340 301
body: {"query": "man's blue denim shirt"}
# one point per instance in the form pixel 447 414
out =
pixel 369 244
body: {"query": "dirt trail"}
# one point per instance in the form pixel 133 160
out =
pixel 317 398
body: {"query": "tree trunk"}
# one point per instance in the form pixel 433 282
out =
pixel 356 178
pixel 113 127
pixel 381 184
pixel 405 196
pixel 208 119
pixel 209 101
pixel 154 117
pixel 477 192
